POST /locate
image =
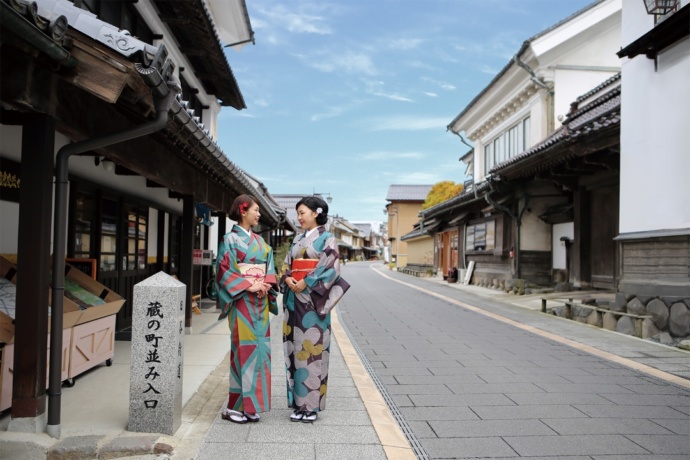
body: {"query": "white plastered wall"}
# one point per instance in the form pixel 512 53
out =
pixel 655 133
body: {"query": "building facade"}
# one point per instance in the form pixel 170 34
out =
pixel 112 103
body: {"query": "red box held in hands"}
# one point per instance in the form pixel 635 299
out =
pixel 302 267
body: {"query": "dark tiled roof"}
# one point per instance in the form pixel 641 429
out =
pixel 364 228
pixel 522 49
pixel 289 201
pixel 184 130
pixel 598 89
pixel 467 195
pixel 192 25
pixel 408 192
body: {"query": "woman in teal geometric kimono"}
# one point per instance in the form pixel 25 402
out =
pixel 246 296
pixel 307 306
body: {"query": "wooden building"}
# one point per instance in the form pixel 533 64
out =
pixel 115 103
pixel 506 219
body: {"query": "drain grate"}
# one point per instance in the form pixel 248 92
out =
pixel 407 431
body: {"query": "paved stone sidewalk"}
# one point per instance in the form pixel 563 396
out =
pixel 345 430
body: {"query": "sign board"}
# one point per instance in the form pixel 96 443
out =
pixel 202 257
pixel 468 275
pixel 87 266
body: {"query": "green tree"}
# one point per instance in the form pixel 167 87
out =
pixel 442 191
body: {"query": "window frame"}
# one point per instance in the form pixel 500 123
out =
pixel 507 144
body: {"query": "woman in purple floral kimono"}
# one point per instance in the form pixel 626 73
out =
pixel 307 304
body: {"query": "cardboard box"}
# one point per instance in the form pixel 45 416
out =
pixel 73 314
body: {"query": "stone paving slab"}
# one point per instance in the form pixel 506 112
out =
pixel 578 445
pixel 490 428
pixel 510 382
pixel 605 426
pixel 345 430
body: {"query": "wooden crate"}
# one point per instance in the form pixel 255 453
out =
pixel 92 343
pixel 7 367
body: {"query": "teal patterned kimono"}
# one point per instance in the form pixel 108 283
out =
pixel 307 319
pixel 250 338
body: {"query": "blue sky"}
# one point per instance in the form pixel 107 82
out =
pixel 349 97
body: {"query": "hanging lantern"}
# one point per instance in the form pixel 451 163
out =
pixel 660 7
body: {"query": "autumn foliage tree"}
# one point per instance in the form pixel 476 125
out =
pixel 442 191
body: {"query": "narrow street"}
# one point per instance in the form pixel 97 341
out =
pixel 466 385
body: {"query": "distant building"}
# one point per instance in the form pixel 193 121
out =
pixel 404 204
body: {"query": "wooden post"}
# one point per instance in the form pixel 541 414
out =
pixel 33 279
pixel 186 250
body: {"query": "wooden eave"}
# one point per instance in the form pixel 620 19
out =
pixel 103 94
pixel 195 34
pixel 562 153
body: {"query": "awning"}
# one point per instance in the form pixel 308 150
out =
pixel 342 244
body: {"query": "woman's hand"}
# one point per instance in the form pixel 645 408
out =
pixel 294 285
pixel 261 289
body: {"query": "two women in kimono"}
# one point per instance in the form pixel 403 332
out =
pixel 245 299
pixel 307 304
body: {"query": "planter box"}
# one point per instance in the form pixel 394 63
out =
pixel 7 367
pixel 92 343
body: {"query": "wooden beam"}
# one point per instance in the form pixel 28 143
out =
pixel 81 115
pixel 153 184
pixel 193 51
pixel 175 20
pixel 33 277
pixel 186 259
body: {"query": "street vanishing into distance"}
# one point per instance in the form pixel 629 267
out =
pixel 466 385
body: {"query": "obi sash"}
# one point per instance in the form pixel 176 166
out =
pixel 254 273
pixel 301 267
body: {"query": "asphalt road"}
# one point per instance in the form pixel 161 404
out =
pixel 466 385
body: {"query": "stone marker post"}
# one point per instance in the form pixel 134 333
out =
pixel 155 382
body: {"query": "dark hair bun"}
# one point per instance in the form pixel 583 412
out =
pixel 315 203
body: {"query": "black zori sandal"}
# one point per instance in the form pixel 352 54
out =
pixel 234 416
pixel 296 415
pixel 252 418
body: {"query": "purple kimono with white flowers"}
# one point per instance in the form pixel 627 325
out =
pixel 307 319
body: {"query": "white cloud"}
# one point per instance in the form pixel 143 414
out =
pixel 441 84
pixel 404 43
pixel 430 94
pixel 349 62
pixel 417 177
pixel 405 123
pixel 376 156
pixel 375 88
pixel 330 113
pixel 293 21
pixel 393 97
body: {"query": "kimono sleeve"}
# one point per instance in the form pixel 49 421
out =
pixel 229 280
pixel 326 286
pixel 327 270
